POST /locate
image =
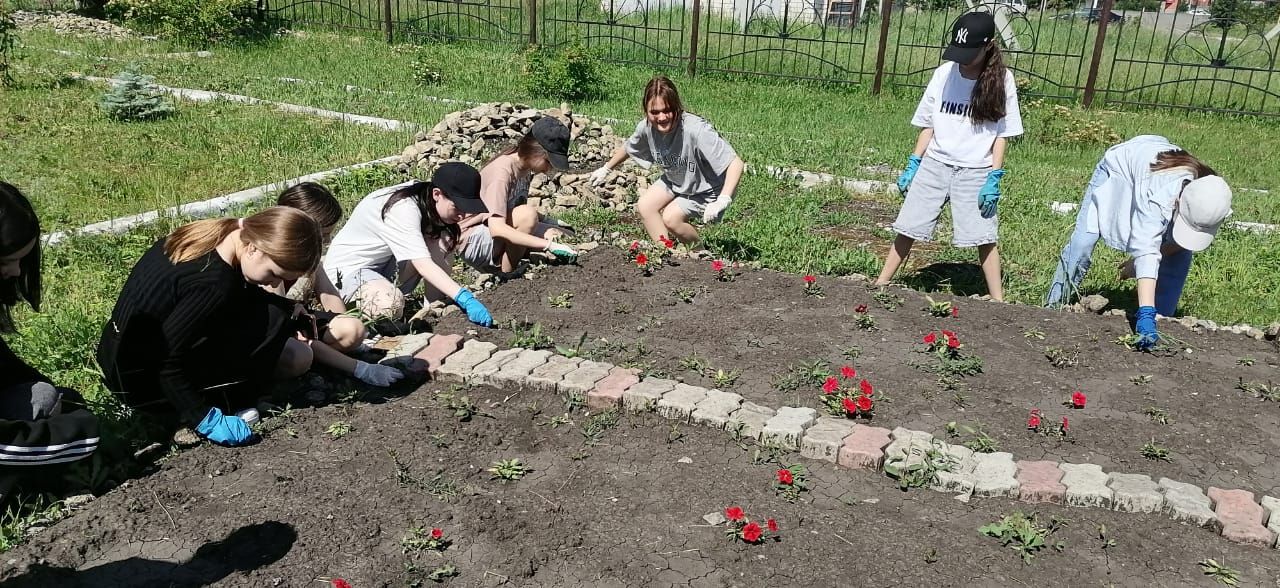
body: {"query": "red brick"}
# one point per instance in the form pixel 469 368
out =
pixel 607 393
pixel 864 448
pixel 1040 481
pixel 440 347
pixel 1241 517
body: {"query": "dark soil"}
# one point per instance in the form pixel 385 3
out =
pixel 762 324
pixel 303 507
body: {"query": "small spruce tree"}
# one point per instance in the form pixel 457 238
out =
pixel 136 97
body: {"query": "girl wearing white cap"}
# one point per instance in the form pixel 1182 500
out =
pixel 968 113
pixel 1156 202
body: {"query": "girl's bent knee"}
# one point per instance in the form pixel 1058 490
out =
pixel 347 332
pixel 295 360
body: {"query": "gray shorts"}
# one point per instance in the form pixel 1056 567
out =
pixel 692 205
pixel 936 183
pixel 477 249
pixel 348 284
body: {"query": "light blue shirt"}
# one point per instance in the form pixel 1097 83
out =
pixel 1132 209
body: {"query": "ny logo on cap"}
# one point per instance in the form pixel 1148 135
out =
pixel 962 36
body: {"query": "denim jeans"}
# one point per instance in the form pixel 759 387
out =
pixel 1076 257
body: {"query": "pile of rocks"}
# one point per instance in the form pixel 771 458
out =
pixel 474 135
pixel 70 24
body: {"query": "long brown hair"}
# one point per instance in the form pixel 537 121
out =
pixel 1180 158
pixel 290 237
pixel 19 226
pixel 662 87
pixel 987 104
pixel 315 200
pixel 432 225
pixel 532 155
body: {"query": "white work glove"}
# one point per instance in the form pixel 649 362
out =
pixel 600 175
pixel 715 210
pixel 562 251
pixel 377 374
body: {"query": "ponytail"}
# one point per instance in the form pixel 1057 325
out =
pixel 987 104
pixel 433 226
pixel 290 237
pixel 1180 158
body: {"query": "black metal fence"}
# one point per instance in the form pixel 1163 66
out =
pixel 1095 56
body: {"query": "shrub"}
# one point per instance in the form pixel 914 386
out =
pixel 196 23
pixel 425 70
pixel 1060 125
pixel 136 98
pixel 8 45
pixel 570 73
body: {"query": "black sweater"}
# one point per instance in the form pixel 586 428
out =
pixel 67 436
pixel 166 309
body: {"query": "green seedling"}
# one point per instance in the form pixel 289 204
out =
pixel 1023 535
pixel 887 299
pixel 576 350
pixel 442 573
pixel 1141 380
pixel 338 429
pixel 530 336
pixel 1158 415
pixel 724 380
pixel 1062 358
pixel 1219 572
pixel 936 308
pixel 1259 390
pixel 599 424
pixel 562 300
pixel 1245 361
pixel 1155 452
pixel 508 470
pixel 1034 333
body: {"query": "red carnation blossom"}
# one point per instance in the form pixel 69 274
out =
pixel 809 279
pixel 948 334
pixel 635 245
pixel 930 339
pixel 1033 422
pixel 785 477
pixel 1078 399
pixel 717 266
pixel 668 243
pixel 437 533
pixel 751 533
pixel 847 372
pixel 831 385
pixel 734 513
pixel 955 312
pixel 1064 424
pixel 866 388
pixel 642 259
pixel 340 583
pixel 953 343
pixel 864 403
pixel 773 525
pixel 850 406
pixel 861 308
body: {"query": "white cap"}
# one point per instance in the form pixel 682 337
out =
pixel 1204 204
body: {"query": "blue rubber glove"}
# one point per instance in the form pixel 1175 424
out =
pixel 989 196
pixel 1146 327
pixel 904 180
pixel 230 431
pixel 476 311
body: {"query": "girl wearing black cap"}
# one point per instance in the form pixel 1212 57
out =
pixel 968 113
pixel 510 227
pixel 401 235
pixel 40 424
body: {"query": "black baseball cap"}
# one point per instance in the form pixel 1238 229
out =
pixel 553 135
pixel 969 35
pixel 461 183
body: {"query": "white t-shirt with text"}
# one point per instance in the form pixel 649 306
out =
pixel 945 108
pixel 368 241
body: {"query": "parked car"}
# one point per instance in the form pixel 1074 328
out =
pixel 1092 15
pixel 1197 11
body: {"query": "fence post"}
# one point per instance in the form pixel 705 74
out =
pixel 1091 82
pixel 533 22
pixel 886 7
pixel 693 38
pixel 386 20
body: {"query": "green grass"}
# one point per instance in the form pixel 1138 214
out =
pixel 80 167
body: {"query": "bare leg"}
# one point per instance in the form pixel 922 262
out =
pixel 345 333
pixel 650 206
pixel 899 253
pixel 513 240
pixel 989 257
pixel 678 227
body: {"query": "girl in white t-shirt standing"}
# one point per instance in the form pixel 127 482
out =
pixel 968 112
pixel 399 236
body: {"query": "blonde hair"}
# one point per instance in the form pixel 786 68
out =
pixel 290 237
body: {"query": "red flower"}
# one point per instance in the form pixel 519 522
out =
pixel 955 312
pixel 437 533
pixel 717 266
pixel 1033 422
pixel 861 308
pixel 734 513
pixel 866 388
pixel 810 279
pixel 948 334
pixel 642 260
pixel 635 246
pixel 1064 425
pixel 785 477
pixel 751 533
pixel 850 406
pixel 847 372
pixel 953 343
pixel 831 385
pixel 340 583
pixel 864 403
pixel 930 339
pixel 1078 399
pixel 772 524
pixel 668 243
